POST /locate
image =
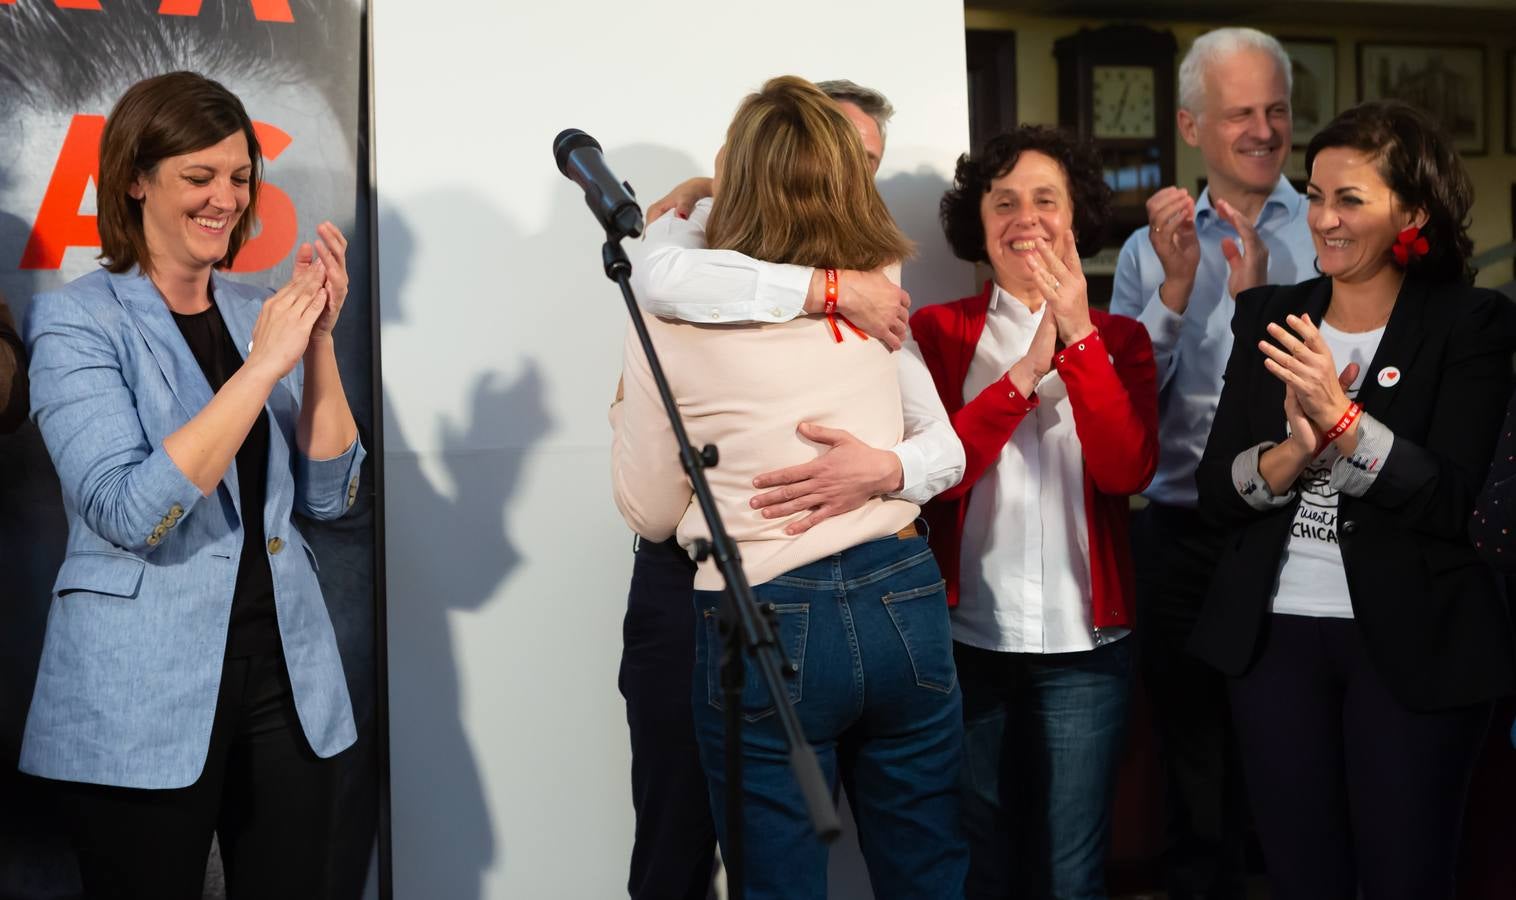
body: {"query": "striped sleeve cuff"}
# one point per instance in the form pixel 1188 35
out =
pixel 1250 485
pixel 1355 474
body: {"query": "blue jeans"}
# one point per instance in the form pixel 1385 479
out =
pixel 1042 738
pixel 877 696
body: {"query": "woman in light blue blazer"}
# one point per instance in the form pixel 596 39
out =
pixel 190 681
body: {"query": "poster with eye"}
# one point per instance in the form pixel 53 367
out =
pixel 298 68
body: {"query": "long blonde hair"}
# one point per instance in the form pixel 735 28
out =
pixel 795 185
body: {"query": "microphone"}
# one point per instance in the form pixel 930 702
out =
pixel 612 201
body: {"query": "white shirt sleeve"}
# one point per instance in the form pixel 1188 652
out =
pixel 931 456
pixel 680 278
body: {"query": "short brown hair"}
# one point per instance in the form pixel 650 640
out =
pixel 157 118
pixel 1082 169
pixel 795 185
pixel 1416 158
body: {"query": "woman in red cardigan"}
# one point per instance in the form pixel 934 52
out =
pixel 1057 408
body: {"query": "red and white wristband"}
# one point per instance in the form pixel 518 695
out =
pixel 1341 428
pixel 831 309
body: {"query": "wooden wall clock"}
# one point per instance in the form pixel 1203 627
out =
pixel 1116 87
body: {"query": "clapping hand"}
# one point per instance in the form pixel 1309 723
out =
pixel 1171 230
pixel 283 329
pixel 330 253
pixel 1060 278
pixel 1305 365
pixel 1304 434
pixel 1249 265
pixel 1027 371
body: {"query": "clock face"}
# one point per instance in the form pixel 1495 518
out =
pixel 1123 102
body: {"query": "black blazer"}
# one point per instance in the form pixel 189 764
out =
pixel 1493 526
pixel 1434 617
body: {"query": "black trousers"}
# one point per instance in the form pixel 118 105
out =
pixel 1352 791
pixel 263 792
pixel 674 850
pixel 1175 555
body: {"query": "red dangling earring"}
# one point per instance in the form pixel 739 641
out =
pixel 1409 245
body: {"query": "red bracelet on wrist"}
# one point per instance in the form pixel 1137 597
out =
pixel 831 309
pixel 1341 428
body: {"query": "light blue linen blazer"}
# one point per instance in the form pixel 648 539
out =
pixel 136 632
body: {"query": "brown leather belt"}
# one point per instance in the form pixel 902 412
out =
pixel 908 531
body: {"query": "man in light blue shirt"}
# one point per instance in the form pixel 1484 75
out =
pixel 1178 276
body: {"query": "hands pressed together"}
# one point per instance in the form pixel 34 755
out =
pixel 1315 392
pixel 303 313
pixel 1060 280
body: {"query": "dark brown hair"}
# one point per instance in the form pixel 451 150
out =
pixel 169 115
pixel 1091 196
pixel 795 185
pixel 1417 160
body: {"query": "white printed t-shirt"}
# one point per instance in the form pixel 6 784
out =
pixel 1312 580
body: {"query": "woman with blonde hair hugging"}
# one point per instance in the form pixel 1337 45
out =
pixel 860 605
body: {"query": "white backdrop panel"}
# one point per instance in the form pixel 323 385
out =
pixel 508 564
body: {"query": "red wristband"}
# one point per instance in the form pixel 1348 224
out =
pixel 831 309
pixel 1341 428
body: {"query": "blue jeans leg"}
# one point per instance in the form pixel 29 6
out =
pixel 867 629
pixel 1043 739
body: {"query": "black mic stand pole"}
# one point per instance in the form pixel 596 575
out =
pixel 743 625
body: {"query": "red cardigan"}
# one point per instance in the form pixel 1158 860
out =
pixel 1115 416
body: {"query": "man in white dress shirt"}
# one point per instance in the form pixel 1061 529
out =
pixel 675 838
pixel 1178 277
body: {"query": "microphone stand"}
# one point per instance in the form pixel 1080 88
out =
pixel 744 626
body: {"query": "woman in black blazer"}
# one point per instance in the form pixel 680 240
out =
pixel 1364 636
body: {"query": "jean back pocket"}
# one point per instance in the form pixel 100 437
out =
pixel 920 615
pixel 793 627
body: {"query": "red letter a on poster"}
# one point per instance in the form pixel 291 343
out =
pixel 59 224
pixel 263 10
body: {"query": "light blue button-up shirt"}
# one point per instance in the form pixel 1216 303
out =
pixel 1191 350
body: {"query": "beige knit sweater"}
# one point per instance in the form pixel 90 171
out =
pixel 746 388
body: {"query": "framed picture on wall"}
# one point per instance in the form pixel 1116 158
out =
pixel 1313 98
pixel 991 58
pixel 1446 80
pixel 1510 102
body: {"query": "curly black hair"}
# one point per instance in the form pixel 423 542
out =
pixel 1091 196
pixel 1416 158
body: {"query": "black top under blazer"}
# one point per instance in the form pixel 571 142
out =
pixel 1434 617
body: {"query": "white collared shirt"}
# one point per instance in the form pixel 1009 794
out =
pixel 1024 576
pixel 680 278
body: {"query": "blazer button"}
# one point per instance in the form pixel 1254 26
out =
pixel 275 545
pixel 175 511
pixel 1349 526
